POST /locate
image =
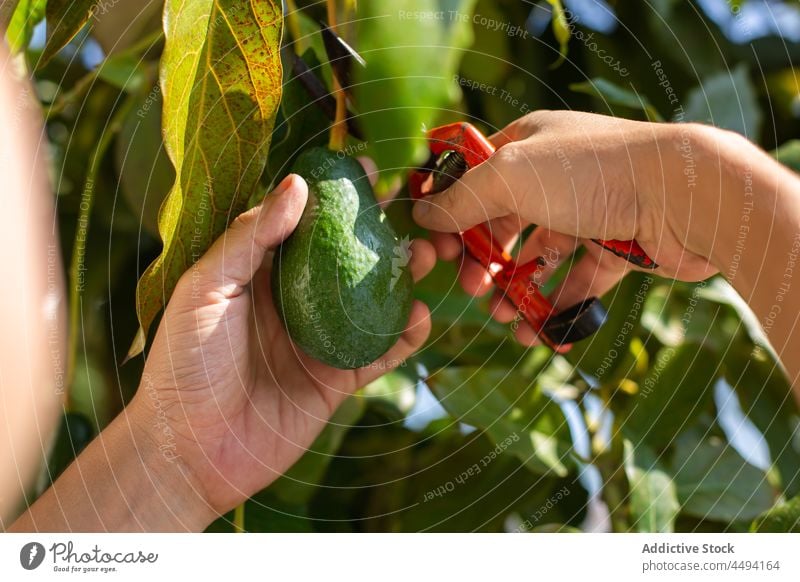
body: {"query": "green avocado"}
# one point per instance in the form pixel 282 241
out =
pixel 341 282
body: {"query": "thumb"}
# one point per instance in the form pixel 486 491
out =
pixel 480 195
pixel 236 255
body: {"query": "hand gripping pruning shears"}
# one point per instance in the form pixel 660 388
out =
pixel 456 148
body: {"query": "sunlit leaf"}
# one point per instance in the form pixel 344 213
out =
pixel 561 30
pixel 406 58
pixel 298 484
pixel 715 483
pixel 612 94
pixel 221 79
pixel 727 100
pixel 395 387
pixel 26 16
pixel 124 71
pixel 784 518
pixel 653 500
pixel 676 390
pixel 766 398
pixel 65 19
pixel 513 411
pixel 678 312
pixel 789 154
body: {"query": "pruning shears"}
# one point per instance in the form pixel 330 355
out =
pixel 456 148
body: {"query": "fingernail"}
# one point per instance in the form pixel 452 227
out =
pixel 422 207
pixel 285 185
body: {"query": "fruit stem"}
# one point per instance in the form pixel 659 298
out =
pixel 293 23
pixel 238 519
pixel 339 128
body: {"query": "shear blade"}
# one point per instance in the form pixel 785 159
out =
pixel 324 100
pixel 341 56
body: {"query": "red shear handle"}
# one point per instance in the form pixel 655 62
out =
pixel 630 250
pixel 475 148
pixel 469 148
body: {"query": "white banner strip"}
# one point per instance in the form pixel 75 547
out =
pixel 401 557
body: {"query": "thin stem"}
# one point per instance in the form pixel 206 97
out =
pixel 238 519
pixel 339 127
pixel 293 22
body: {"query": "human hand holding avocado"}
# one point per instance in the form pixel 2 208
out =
pixel 227 402
pixel 244 402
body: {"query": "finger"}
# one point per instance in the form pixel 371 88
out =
pixel 552 246
pixel 370 169
pixel 592 276
pixel 473 276
pixel 501 308
pixel 423 258
pixel 480 195
pixel 526 336
pixel 417 331
pixel 519 129
pixel 503 137
pixel 448 246
pixel 232 260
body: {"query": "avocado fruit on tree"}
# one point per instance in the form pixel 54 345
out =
pixel 340 281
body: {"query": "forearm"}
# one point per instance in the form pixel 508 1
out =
pixel 31 345
pixel 755 243
pixel 124 481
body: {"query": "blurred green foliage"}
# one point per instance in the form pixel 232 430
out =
pixel 475 433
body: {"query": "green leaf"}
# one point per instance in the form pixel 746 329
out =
pixel 676 390
pixel 397 388
pixel 612 94
pixel 784 518
pixel 674 33
pixel 601 354
pixel 715 483
pixel 677 312
pixel 26 16
pixel 766 398
pixel 299 483
pixel 124 71
pixel 65 19
pixel 726 100
pixel 513 411
pixel 653 498
pixel 145 174
pixel 409 77
pixel 789 154
pixel 489 60
pixel 221 80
